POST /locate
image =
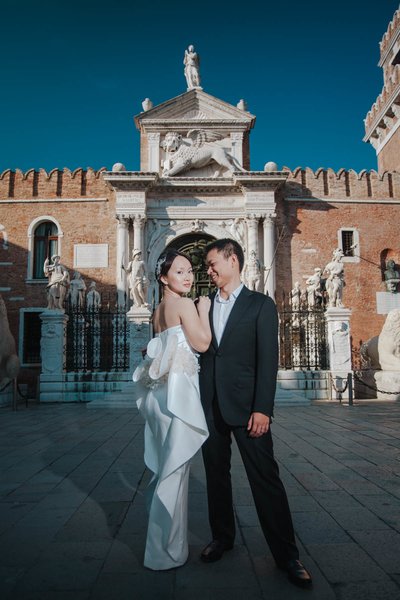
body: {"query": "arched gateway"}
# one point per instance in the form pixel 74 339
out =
pixel 193 246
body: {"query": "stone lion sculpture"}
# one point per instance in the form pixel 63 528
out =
pixel 196 150
pixel 383 350
pixel 9 361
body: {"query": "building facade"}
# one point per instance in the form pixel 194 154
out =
pixel 195 184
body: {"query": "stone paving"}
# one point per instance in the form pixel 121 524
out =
pixel 73 515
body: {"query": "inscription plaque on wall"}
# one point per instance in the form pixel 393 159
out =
pixel 94 256
pixel 385 302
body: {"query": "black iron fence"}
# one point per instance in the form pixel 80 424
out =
pixel 97 338
pixel 302 333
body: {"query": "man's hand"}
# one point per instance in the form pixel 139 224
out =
pixel 258 424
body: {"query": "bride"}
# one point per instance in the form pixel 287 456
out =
pixel 169 400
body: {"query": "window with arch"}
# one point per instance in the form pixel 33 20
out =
pixel 45 244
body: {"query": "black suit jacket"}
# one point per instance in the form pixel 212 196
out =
pixel 241 371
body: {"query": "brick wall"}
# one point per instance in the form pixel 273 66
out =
pixel 311 234
pixel 84 207
pixel 388 157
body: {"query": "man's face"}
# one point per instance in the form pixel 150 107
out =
pixel 221 270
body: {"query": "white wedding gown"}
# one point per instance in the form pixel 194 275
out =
pixel 175 429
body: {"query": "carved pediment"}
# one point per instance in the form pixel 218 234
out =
pixel 191 107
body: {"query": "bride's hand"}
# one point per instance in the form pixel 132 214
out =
pixel 203 304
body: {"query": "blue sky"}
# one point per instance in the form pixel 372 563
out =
pixel 75 73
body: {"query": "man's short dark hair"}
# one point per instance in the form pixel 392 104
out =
pixel 228 247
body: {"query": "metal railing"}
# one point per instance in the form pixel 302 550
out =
pixel 97 338
pixel 302 334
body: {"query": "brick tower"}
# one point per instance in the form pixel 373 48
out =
pixel 382 123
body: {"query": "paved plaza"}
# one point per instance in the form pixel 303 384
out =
pixel 73 515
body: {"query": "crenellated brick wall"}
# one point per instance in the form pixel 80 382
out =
pixel 326 183
pixel 55 184
pixel 84 207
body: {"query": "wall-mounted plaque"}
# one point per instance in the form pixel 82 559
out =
pixel 90 256
pixel 385 302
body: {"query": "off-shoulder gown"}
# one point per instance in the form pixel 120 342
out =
pixel 169 400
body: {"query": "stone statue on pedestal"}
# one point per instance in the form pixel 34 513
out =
pixel 335 280
pixel 137 279
pixel 58 276
pixel 295 301
pixel 77 288
pixel 392 276
pixel 252 271
pixel 295 296
pixel 192 68
pixel 313 289
pixel 93 298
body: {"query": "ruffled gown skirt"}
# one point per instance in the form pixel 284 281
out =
pixel 175 429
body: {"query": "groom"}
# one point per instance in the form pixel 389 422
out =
pixel 237 383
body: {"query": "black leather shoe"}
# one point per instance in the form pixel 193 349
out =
pixel 297 573
pixel 214 551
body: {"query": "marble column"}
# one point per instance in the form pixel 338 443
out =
pixel 138 225
pixel 122 258
pixel 252 234
pixel 52 351
pixel 269 258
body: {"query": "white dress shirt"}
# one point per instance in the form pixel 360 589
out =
pixel 222 310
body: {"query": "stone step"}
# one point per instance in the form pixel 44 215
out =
pixel 119 399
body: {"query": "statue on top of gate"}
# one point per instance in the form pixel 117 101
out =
pixel 192 68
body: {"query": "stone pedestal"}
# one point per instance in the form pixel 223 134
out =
pixel 387 381
pixel 139 334
pixel 339 347
pixel 52 350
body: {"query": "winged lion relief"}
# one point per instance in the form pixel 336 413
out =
pixel 198 149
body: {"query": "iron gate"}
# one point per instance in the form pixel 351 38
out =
pixel 302 335
pixel 97 338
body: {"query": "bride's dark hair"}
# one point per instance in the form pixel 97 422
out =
pixel 165 261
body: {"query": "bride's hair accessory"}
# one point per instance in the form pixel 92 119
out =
pixel 159 266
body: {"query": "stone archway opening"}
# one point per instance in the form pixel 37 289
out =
pixel 193 244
